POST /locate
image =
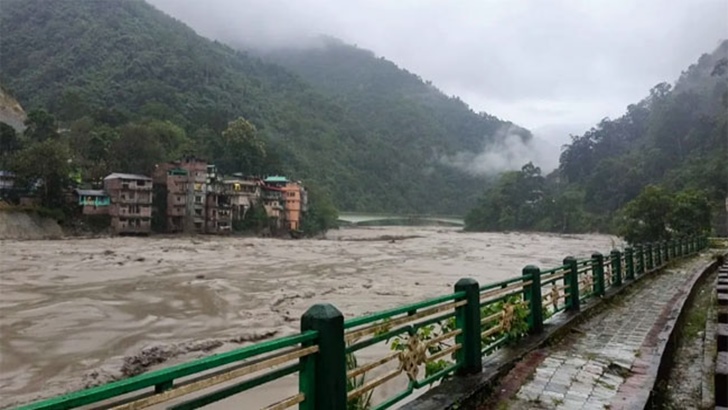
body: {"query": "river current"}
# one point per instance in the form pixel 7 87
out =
pixel 80 312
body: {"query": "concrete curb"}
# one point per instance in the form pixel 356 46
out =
pixel 470 392
pixel 639 390
pixel 720 370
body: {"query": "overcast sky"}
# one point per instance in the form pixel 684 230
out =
pixel 553 66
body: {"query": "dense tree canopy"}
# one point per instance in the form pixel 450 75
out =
pixel 674 138
pixel 240 148
pixel 657 215
pixel 122 74
pixel 44 167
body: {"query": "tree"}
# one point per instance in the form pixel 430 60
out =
pixel 71 106
pixel 516 201
pixel 255 219
pixel 171 138
pixel 9 142
pixel 40 126
pixel 45 166
pixel 240 149
pixel 657 215
pixel 136 150
pixel 690 213
pixel 321 215
pixel 645 217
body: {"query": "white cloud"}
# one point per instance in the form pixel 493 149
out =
pixel 589 59
pixel 505 151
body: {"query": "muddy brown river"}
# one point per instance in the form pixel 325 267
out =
pixel 80 312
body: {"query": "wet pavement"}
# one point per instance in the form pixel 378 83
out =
pixel 608 361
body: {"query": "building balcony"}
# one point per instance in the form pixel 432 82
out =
pixel 136 200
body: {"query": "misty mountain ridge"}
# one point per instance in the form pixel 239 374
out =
pixel 376 137
pixel 670 149
pixel 376 88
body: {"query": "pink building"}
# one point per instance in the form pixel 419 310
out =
pixel 131 203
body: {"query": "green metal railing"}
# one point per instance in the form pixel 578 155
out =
pixel 425 342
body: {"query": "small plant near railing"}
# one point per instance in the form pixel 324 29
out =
pixel 548 313
pixel 514 321
pixel 424 334
pixel 363 402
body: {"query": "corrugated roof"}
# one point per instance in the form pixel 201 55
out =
pixel 276 178
pixel 116 175
pixel 91 192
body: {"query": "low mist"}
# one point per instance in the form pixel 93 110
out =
pixel 506 150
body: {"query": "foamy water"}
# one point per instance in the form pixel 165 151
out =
pixel 72 310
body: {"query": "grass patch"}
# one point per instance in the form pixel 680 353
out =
pixel 697 314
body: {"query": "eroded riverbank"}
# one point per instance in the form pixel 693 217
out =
pixel 81 312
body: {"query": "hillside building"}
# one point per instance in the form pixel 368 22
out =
pixel 218 216
pixel 180 195
pixel 92 201
pixel 292 201
pixel 130 202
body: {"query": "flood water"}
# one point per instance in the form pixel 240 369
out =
pixel 72 311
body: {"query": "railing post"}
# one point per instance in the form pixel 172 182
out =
pixel 665 252
pixel 467 319
pixel 641 258
pixel 323 375
pixel 571 279
pixel 617 267
pixel 650 264
pixel 675 253
pixel 532 293
pixel 658 254
pixel 598 271
pixel 629 263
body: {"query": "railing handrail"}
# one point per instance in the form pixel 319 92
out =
pixel 491 315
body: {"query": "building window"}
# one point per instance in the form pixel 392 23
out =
pixel 141 183
pixel 198 199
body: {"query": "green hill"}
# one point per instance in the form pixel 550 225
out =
pixel 125 61
pixel 677 137
pixel 399 105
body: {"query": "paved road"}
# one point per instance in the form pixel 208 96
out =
pixel 606 362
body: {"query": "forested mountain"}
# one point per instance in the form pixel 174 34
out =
pixel 401 109
pixel 398 104
pixel 677 138
pixel 123 77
